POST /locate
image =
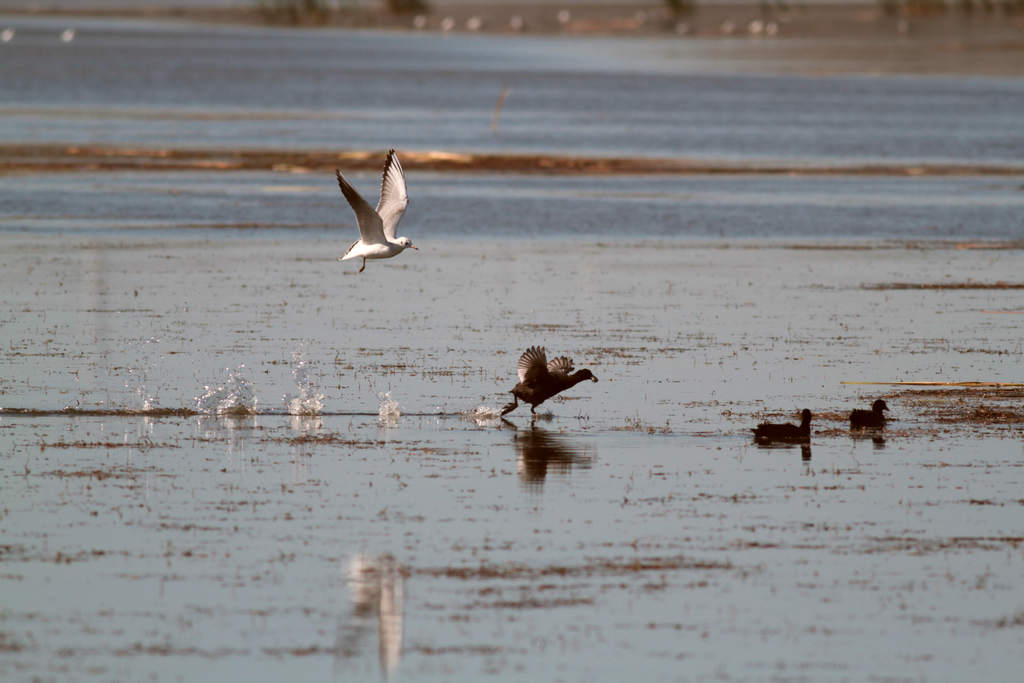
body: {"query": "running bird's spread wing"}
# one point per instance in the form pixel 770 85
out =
pixel 560 366
pixel 393 195
pixel 532 364
pixel 371 229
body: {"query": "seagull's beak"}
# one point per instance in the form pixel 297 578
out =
pixel 593 379
pixel 414 247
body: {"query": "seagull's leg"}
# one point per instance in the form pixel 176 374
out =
pixel 362 266
pixel 509 407
pixel 533 409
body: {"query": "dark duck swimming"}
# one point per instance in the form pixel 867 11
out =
pixel 539 380
pixel 869 419
pixel 766 431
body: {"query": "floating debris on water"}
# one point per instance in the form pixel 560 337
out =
pixel 234 397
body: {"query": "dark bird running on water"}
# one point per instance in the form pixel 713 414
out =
pixel 539 380
pixel 872 419
pixel 766 431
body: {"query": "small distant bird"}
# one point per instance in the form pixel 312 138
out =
pixel 873 418
pixel 766 431
pixel 377 226
pixel 539 380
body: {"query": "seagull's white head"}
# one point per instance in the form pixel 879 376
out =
pixel 406 243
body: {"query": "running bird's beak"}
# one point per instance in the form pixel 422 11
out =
pixel 414 247
pixel 593 379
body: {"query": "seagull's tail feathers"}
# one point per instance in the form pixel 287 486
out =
pixel 348 252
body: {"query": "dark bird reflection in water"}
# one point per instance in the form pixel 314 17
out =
pixel 805 448
pixel 540 452
pixel 376 584
pixel 877 438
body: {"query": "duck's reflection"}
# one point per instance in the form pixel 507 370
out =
pixel 376 584
pixel 805 452
pixel 805 448
pixel 540 452
pixel 876 436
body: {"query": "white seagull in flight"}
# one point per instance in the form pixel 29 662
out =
pixel 377 226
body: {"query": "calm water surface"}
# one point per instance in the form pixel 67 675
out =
pixel 131 83
pixel 633 529
pixel 361 513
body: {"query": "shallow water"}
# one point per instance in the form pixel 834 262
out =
pixel 173 85
pixel 633 529
pixel 483 206
pixel 227 455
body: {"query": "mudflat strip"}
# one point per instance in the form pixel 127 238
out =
pixel 41 158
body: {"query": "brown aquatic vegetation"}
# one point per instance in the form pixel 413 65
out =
pixel 38 158
pixel 599 567
pixel 922 546
pixel 978 390
pixel 119 472
pixel 458 650
pixel 325 439
pixel 166 650
pixel 99 412
pixel 137 445
pixel 980 404
pixel 943 285
pixel 1017 620
pixel 982 415
pixel 298 651
pixel 534 603
pixel 636 424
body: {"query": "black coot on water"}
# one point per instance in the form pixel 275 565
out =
pixel 767 431
pixel 873 418
pixel 539 380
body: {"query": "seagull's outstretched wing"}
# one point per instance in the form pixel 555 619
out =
pixel 532 364
pixel 371 229
pixel 560 366
pixel 393 195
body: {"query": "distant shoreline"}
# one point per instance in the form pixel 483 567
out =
pixel 1000 26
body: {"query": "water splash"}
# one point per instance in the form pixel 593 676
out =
pixel 309 400
pixel 137 381
pixel 484 415
pixel 389 410
pixel 234 397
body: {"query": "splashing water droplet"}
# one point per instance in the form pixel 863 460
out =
pixel 137 382
pixel 484 415
pixel 389 409
pixel 234 397
pixel 486 412
pixel 309 400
